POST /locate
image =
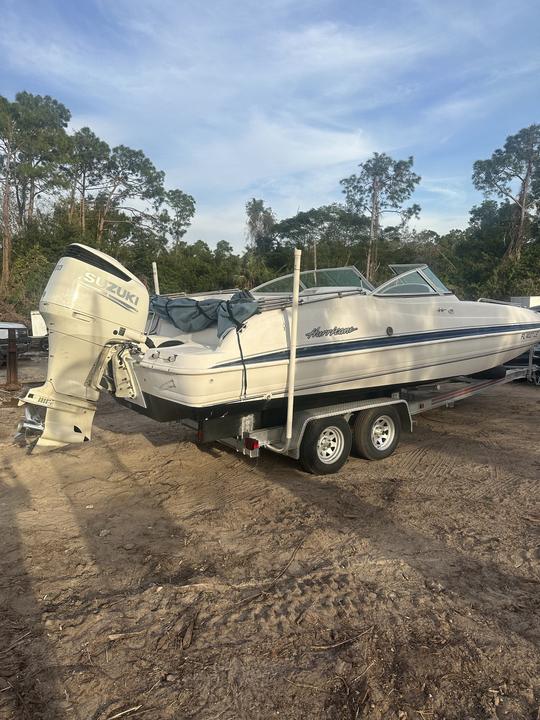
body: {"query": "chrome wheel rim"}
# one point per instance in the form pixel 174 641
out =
pixel 383 432
pixel 330 444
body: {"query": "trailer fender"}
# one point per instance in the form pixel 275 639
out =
pixel 347 411
pixel 401 406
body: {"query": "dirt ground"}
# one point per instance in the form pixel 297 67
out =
pixel 145 577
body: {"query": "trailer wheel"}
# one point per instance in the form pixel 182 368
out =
pixel 44 344
pixel 326 445
pixel 377 432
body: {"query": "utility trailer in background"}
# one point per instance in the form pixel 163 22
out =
pixel 323 437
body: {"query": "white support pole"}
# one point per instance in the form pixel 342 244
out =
pixel 156 279
pixel 293 341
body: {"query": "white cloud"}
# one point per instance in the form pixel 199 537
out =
pixel 329 47
pixel 280 99
pixel 448 187
pixel 441 222
pixel 223 222
pixel 266 149
pixel 102 126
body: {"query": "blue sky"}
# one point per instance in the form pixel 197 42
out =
pixel 280 99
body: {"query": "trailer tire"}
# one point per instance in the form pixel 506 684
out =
pixel 376 432
pixel 326 445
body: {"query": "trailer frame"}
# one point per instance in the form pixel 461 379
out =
pixel 249 433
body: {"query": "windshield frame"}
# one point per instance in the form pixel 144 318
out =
pixel 376 291
pixel 379 291
pixel 368 289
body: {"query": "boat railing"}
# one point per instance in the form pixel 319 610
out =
pixel 280 303
pixel 173 296
pixel 273 302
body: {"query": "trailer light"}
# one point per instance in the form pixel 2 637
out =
pixel 251 443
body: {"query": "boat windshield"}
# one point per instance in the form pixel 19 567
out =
pixel 419 280
pixel 310 280
pixel 415 280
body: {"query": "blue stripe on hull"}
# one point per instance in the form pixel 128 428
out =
pixel 383 342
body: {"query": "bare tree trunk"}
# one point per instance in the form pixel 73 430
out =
pixel 20 197
pixel 103 216
pixel 6 228
pixel 373 231
pixel 375 252
pixel 518 234
pixel 71 206
pixel 31 200
pixel 520 237
pixel 100 228
pixel 370 244
pixel 83 204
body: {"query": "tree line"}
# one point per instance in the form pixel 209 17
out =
pixel 59 187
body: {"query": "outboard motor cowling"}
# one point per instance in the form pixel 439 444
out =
pixel 93 307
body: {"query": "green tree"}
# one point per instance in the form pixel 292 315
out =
pixel 227 266
pixel 8 155
pixel 33 142
pixel 329 235
pixel 260 223
pixel 42 144
pixel 383 185
pixel 510 173
pixel 476 252
pixel 85 167
pixel 177 211
pixel 129 177
pixel 31 270
pixel 133 193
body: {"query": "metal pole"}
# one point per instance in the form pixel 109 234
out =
pixel 156 279
pixel 12 382
pixel 293 341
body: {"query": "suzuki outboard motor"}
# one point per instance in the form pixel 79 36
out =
pixel 95 311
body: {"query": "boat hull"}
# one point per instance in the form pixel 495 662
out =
pixel 379 343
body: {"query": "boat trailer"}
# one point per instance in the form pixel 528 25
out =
pixel 322 438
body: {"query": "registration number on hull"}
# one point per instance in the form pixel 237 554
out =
pixel 530 335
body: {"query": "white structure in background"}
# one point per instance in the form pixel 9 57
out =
pixel 40 334
pixel 528 301
pixel 39 329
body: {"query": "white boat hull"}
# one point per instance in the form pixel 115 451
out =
pixel 379 342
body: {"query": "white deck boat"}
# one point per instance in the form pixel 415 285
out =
pixel 353 340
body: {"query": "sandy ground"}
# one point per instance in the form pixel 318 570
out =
pixel 144 577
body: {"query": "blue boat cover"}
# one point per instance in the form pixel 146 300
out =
pixel 190 315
